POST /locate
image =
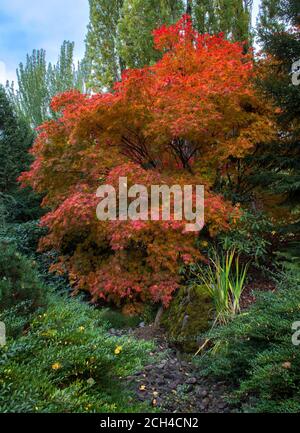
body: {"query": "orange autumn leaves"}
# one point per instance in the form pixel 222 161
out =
pixel 175 122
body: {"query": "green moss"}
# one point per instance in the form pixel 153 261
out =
pixel 189 315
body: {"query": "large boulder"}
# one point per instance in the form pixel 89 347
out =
pixel 190 314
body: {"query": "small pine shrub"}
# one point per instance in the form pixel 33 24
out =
pixel 19 280
pixel 65 361
pixel 255 351
pixel 25 236
pixel 16 318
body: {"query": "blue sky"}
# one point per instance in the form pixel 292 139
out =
pixel 29 24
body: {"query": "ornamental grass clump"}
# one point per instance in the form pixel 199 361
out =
pixel 224 279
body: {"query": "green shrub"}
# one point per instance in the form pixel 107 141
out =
pixel 118 320
pixel 250 237
pixel 19 280
pixel 25 236
pixel 255 351
pixel 20 205
pixel 65 361
pixel 16 318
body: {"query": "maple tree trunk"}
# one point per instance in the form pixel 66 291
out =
pixel 158 317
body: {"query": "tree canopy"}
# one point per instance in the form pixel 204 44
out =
pixel 174 122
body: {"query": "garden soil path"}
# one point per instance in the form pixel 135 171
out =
pixel 173 384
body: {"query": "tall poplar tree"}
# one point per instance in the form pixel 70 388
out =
pixel 33 94
pixel 232 17
pixel 65 74
pixel 102 58
pixel 139 18
pixel 120 31
pixel 120 36
pixel 38 82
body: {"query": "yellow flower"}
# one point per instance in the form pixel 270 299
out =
pixel 118 350
pixel 81 328
pixel 204 243
pixel 56 366
pixel 91 381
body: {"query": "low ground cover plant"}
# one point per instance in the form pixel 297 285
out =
pixel 256 354
pixel 62 359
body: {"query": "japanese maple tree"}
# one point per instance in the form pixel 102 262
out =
pixel 175 122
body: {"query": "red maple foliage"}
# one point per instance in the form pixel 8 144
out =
pixel 175 122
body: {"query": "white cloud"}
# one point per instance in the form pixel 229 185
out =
pixel 2 72
pixel 255 11
pixel 6 74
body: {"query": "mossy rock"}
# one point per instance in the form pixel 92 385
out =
pixel 190 314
